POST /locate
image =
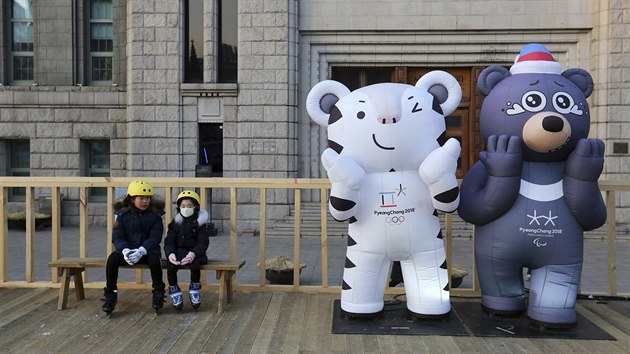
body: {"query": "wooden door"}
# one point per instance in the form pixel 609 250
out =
pixel 461 123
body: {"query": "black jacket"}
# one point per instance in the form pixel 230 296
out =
pixel 188 234
pixel 134 228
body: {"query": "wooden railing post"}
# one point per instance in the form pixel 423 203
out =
pixel 4 235
pixel 233 225
pixel 109 216
pixel 55 228
pixel 296 238
pixel 323 203
pixel 262 246
pixel 30 234
pixel 611 236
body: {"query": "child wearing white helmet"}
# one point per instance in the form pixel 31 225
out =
pixel 136 236
pixel 185 244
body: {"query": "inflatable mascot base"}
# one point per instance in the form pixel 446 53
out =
pixel 389 177
pixel 534 189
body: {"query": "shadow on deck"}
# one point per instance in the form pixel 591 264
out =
pixel 261 322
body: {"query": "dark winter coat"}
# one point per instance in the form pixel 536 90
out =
pixel 134 228
pixel 188 234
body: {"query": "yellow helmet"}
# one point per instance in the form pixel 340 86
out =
pixel 188 194
pixel 140 188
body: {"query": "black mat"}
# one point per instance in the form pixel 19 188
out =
pixel 483 325
pixel 395 320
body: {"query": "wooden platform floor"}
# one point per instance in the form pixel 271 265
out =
pixel 254 323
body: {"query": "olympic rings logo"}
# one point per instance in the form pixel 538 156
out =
pixel 396 220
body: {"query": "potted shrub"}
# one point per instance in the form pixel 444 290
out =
pixel 279 270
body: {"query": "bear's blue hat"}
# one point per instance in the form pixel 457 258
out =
pixel 535 58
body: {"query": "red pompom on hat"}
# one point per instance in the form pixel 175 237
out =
pixel 535 58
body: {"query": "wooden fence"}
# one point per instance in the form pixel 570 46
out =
pixel 55 184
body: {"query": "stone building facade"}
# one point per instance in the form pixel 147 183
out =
pixel 153 117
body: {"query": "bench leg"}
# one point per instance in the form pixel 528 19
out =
pixel 66 274
pixel 222 285
pixel 228 285
pixel 63 289
pixel 78 284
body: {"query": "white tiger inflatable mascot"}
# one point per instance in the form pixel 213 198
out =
pixel 389 175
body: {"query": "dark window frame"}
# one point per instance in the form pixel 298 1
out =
pixel 23 54
pixel 104 51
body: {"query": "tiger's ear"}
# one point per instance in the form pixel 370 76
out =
pixel 444 87
pixel 322 98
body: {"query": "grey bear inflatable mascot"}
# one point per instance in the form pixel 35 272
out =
pixel 389 175
pixel 534 190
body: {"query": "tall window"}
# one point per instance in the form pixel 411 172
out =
pixel 96 155
pixel 21 52
pixel 228 31
pixel 193 57
pixel 100 46
pixel 211 148
pixel 18 163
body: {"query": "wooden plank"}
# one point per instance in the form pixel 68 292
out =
pixel 369 343
pixel 160 329
pixel 323 330
pixel 308 341
pixel 401 345
pixel 202 326
pixel 282 325
pixel 471 345
pixel 36 313
pixel 22 303
pixel 417 343
pixel 606 318
pixel 91 325
pixel 355 343
pixel 52 332
pixel 123 328
pixel 227 333
pixel 294 332
pixel 192 342
pixel 266 329
pixel 238 341
pixel 257 322
pixel 179 323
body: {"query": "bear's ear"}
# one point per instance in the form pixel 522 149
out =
pixel 491 76
pixel 581 78
pixel 444 87
pixel 322 98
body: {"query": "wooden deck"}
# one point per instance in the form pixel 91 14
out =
pixel 261 322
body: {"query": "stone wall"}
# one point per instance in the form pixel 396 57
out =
pixel 285 46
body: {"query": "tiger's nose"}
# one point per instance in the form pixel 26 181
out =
pixel 388 120
pixel 552 124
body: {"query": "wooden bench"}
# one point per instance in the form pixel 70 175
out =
pixel 73 267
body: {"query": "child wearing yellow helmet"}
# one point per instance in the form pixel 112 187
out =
pixel 185 244
pixel 136 236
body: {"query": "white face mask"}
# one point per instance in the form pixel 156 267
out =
pixel 187 212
